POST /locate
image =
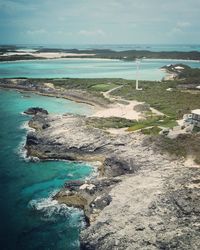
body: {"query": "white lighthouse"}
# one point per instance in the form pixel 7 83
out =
pixel 138 61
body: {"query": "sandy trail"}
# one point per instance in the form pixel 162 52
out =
pixel 121 107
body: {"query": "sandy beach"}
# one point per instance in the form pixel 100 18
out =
pixel 47 55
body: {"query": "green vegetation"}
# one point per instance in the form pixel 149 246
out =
pixel 161 121
pixel 187 75
pixel 92 88
pixel 183 146
pixel 103 87
pixel 173 103
pixel 110 122
pixel 18 57
pixel 189 72
pixel 151 131
pixel 182 98
pixel 88 84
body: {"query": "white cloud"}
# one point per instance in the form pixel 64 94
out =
pixel 36 32
pixel 183 24
pixel 97 32
pixel 179 28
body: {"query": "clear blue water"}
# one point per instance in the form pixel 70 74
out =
pixel 87 68
pixel 28 217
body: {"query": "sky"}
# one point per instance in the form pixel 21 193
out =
pixel 99 22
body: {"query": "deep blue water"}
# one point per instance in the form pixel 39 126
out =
pixel 29 219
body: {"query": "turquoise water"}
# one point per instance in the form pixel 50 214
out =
pixel 87 68
pixel 28 217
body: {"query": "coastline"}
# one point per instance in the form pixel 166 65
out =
pixel 138 190
pixel 131 202
pixel 62 58
pixel 103 107
pixel 78 98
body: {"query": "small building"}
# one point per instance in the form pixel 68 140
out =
pixel 179 68
pixel 196 117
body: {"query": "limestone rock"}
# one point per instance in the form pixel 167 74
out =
pixel 35 110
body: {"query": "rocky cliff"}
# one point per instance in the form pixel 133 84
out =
pixel 141 199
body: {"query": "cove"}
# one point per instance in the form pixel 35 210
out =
pixel 29 218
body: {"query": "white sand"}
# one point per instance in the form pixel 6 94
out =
pixel 120 110
pixel 49 55
pixel 52 55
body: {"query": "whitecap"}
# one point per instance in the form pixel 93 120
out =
pixel 21 150
pixel 25 126
pixel 50 208
pixel 47 206
pixel 70 175
pixel 42 204
pixel 22 113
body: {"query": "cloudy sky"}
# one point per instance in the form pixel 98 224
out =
pixel 99 21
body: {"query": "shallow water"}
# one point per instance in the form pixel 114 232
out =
pixel 29 218
pixel 87 68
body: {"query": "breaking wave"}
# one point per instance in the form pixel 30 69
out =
pixel 21 150
pixel 51 209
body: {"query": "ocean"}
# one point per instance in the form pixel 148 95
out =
pixel 29 218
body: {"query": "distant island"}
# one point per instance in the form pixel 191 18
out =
pixel 12 53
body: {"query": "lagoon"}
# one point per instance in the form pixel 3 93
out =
pixel 88 68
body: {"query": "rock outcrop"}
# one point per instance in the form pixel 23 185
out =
pixel 142 199
pixel 35 110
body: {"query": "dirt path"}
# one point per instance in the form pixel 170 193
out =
pixel 122 107
pixel 108 95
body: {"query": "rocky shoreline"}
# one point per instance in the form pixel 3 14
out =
pixel 48 89
pixel 141 198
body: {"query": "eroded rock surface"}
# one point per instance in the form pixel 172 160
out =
pixel 35 110
pixel 142 199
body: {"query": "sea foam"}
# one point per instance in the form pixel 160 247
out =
pixel 50 208
pixel 21 150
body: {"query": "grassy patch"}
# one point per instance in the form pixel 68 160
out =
pixel 110 122
pixel 172 103
pixel 161 121
pixel 95 84
pixel 103 87
pixel 151 131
